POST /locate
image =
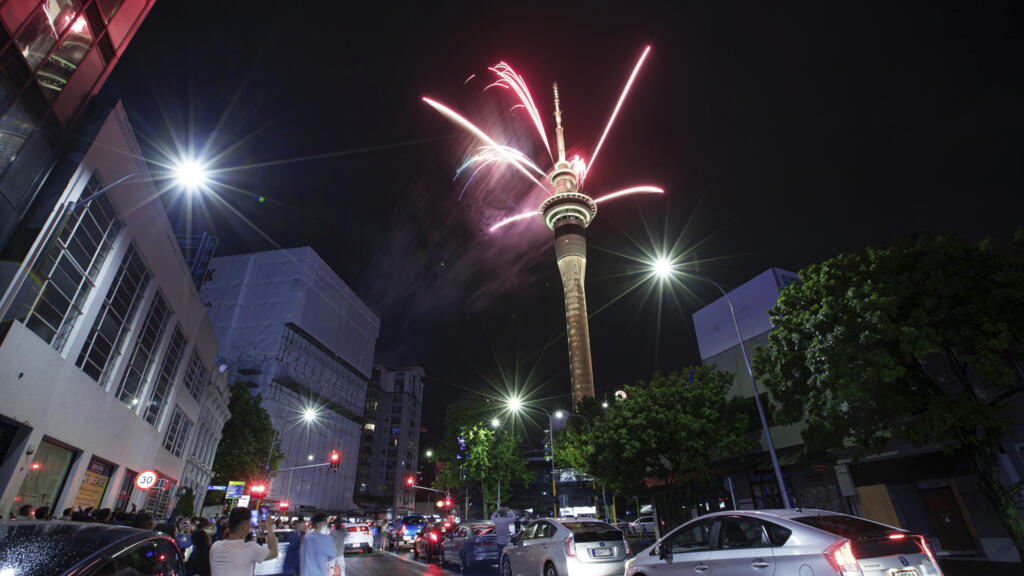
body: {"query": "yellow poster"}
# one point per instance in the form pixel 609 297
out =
pixel 90 493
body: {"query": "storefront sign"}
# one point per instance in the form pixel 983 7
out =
pixel 243 501
pixel 146 479
pixel 235 490
pixel 94 484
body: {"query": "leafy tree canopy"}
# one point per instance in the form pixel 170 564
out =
pixel 246 439
pixel 918 340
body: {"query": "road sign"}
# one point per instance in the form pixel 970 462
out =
pixel 243 501
pixel 216 487
pixel 235 490
pixel 146 479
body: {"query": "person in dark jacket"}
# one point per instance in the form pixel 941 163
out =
pixel 291 556
pixel 199 562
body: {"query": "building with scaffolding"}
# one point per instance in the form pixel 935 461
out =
pixel 298 335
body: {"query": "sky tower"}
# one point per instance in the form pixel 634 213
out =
pixel 568 212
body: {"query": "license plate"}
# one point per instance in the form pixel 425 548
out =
pixel 906 572
pixel 601 552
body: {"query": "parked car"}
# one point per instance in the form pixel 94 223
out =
pixel 358 537
pixel 428 541
pixel 403 532
pixel 641 524
pixel 42 548
pixel 786 542
pixel 577 546
pixel 470 544
pixel 275 566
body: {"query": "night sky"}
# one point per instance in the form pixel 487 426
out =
pixel 784 134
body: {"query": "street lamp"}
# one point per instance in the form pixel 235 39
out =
pixel 516 405
pixel 664 269
pixel 189 173
pixel 309 415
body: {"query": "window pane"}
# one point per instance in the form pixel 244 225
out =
pixel 168 372
pixel 144 354
pixel 740 532
pixel 15 129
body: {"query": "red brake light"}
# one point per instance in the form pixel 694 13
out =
pixel 927 549
pixel 433 537
pixel 897 536
pixel 570 546
pixel 840 557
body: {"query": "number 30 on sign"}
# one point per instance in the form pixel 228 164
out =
pixel 146 479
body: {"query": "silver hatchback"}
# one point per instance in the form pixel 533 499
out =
pixel 565 547
pixel 767 542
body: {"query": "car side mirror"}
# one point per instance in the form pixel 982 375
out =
pixel 664 552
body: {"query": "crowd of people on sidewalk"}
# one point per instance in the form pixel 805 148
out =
pixel 230 546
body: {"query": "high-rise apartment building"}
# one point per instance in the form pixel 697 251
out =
pixel 291 328
pixel 390 440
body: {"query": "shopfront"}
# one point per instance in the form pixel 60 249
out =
pixel 94 484
pixel 47 474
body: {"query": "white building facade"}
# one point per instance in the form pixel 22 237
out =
pixel 107 352
pixel 297 334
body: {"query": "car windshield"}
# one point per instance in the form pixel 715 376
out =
pixel 845 526
pixel 413 520
pixel 51 548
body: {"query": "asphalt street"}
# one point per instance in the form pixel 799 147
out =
pixel 403 564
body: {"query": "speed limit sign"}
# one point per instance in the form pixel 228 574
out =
pixel 146 479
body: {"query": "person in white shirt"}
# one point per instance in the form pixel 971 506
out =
pixel 233 556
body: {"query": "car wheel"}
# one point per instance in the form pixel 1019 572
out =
pixel 506 567
pixel 549 570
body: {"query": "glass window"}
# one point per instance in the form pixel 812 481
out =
pixel 106 338
pixel 43 27
pixel 69 267
pixel 693 537
pixel 740 532
pixel 108 8
pixel 168 372
pixel 143 357
pixel 777 535
pixel 195 377
pixel 177 432
pixel 125 493
pixel 57 68
pixel 845 526
pixel 529 532
pixel 15 129
pixel 46 476
pixel 157 556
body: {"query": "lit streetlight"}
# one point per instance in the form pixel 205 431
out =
pixel 190 174
pixel 516 405
pixel 665 270
pixel 429 453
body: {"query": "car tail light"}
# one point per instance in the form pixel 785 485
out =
pixel 840 557
pixel 570 546
pixel 926 549
pixel 897 536
pixel 433 537
pixel 626 545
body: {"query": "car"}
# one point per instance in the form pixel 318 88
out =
pixel 403 531
pixel 52 548
pixel 566 546
pixel 428 541
pixel 786 542
pixel 470 544
pixel 642 524
pixel 358 536
pixel 275 566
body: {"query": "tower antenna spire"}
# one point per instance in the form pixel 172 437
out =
pixel 558 127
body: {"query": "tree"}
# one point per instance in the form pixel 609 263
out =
pixel 919 340
pixel 474 452
pixel 669 429
pixel 245 442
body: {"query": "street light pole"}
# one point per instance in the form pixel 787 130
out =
pixel 753 383
pixel 515 404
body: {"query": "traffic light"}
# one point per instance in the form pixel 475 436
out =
pixel 335 460
pixel 448 502
pixel 283 505
pixel 440 503
pixel 410 481
pixel 258 489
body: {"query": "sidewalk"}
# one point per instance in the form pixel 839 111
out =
pixel 971 567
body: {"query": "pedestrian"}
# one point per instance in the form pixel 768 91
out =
pixel 233 556
pixel 504 520
pixel 66 515
pixel 291 555
pixel 43 513
pixel 338 536
pixel 317 548
pixel 101 516
pixel 222 529
pixel 198 563
pixel 143 520
pixel 24 513
pixel 376 535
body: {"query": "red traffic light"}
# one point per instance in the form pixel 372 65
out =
pixel 410 481
pixel 282 505
pixel 258 489
pixel 335 459
pixel 448 502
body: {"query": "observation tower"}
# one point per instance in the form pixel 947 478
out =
pixel 568 212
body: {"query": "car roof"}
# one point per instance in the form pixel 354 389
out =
pixel 74 542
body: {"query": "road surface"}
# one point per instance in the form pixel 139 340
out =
pixel 402 564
